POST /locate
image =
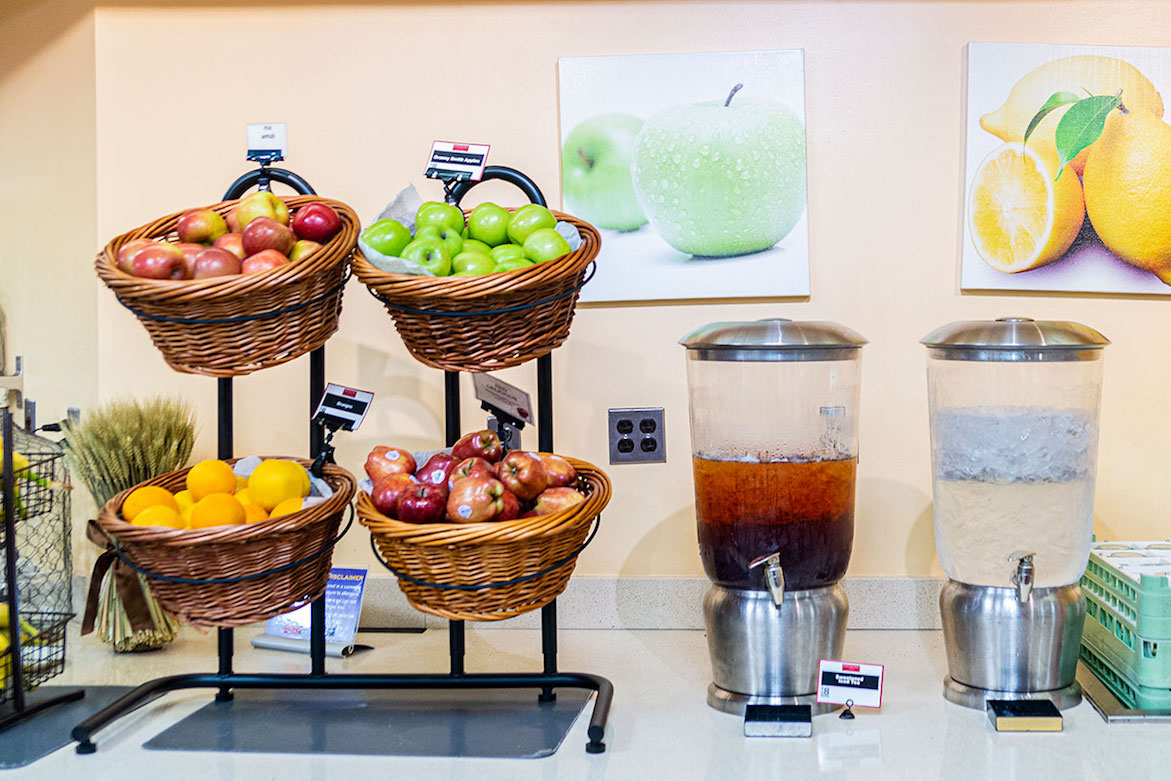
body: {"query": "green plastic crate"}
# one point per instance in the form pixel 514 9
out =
pixel 1128 693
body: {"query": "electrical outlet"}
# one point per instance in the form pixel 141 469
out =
pixel 637 435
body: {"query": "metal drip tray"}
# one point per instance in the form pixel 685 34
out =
pixel 1110 708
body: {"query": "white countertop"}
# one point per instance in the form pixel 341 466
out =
pixel 660 726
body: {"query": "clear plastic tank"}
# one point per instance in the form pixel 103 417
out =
pixel 1014 436
pixel 774 437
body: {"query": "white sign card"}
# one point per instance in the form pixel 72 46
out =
pixel 503 396
pixel 343 407
pixel 453 160
pixel 860 684
pixel 267 140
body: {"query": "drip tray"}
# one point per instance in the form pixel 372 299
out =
pixel 505 723
pixel 1110 708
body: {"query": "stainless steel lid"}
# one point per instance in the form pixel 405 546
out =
pixel 773 339
pixel 1015 339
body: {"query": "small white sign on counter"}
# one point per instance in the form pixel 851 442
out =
pixel 858 684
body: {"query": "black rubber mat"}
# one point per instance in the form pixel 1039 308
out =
pixel 507 723
pixel 45 732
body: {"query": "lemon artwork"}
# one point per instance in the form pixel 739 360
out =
pixel 1021 215
pixel 1128 189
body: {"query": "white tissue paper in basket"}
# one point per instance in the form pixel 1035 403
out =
pixel 403 208
pixel 319 490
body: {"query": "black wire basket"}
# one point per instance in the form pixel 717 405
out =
pixel 42 651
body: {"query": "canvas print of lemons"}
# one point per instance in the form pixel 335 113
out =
pixel 1082 168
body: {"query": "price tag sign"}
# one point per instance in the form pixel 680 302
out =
pixel 455 161
pixel 861 684
pixel 267 142
pixel 504 397
pixel 342 408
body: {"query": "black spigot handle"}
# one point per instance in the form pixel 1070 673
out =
pixel 458 189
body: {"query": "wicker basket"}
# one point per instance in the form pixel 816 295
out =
pixel 229 326
pixel 489 322
pixel 234 552
pixel 476 554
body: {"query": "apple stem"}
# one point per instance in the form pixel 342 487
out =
pixel 732 94
pixel 588 163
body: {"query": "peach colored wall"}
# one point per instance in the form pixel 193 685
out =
pixel 364 89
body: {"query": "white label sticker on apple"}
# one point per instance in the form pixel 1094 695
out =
pixel 267 141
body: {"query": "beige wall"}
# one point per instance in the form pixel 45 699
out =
pixel 372 87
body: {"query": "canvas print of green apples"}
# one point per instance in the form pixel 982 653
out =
pixel 693 167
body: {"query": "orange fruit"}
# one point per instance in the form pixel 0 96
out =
pixel 287 507
pixel 254 513
pixel 241 483
pixel 147 496
pixel 243 497
pixel 219 509
pixel 159 515
pixel 184 499
pixel 210 477
pixel 276 480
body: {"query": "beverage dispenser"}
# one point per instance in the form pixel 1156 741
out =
pixel 774 439
pixel 1014 440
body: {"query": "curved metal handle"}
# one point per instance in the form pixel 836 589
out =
pixel 774 576
pixel 1024 575
pixel 457 191
pixel 262 177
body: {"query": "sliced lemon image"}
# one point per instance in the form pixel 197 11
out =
pixel 1020 215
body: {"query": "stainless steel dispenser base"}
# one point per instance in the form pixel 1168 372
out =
pixel 761 653
pixel 1001 648
pixel 731 702
pixel 971 697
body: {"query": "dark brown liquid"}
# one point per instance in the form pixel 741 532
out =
pixel 802 509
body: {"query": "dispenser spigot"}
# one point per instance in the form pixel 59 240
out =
pixel 1023 577
pixel 774 576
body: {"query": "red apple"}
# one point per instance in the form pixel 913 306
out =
pixel 160 261
pixel 190 253
pixel 265 260
pixel 303 249
pixel 523 474
pixel 201 226
pixel 436 471
pixel 384 460
pixel 388 489
pixel 473 466
pixel 233 243
pixel 316 222
pixel 483 444
pixel 475 499
pixel 509 506
pixel 422 504
pixel 560 471
pixel 266 233
pixel 554 500
pixel 127 252
pixel 216 262
pixel 260 204
pixel 233 222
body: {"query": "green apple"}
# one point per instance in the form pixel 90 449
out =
pixel 441 215
pixel 473 263
pixel 450 238
pixel 506 252
pixel 430 254
pixel 595 172
pixel 722 178
pixel 489 223
pixel 471 245
pixel 387 236
pixel 527 219
pixel 514 264
pixel 545 244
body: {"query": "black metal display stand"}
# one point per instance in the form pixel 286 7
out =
pixel 225 679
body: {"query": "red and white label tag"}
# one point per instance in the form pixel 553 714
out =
pixel 455 160
pixel 861 684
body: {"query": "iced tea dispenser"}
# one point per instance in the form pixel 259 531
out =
pixel 774 441
pixel 1014 443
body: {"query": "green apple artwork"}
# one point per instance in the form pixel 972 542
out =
pixel 693 167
